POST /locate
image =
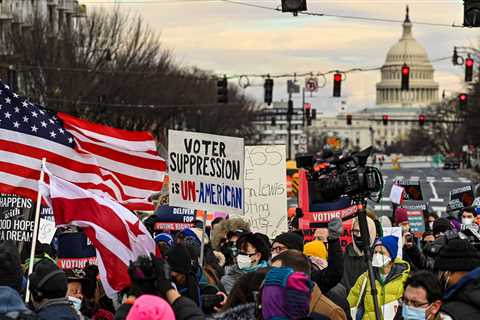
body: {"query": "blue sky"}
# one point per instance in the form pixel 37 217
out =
pixel 232 39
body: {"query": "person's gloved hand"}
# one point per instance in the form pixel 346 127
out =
pixel 335 228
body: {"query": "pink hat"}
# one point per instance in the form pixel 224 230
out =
pixel 401 215
pixel 148 307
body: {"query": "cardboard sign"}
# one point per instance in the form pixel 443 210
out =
pixel 265 189
pixel 416 221
pixel 463 194
pixel 206 171
pixel 75 251
pixel 412 189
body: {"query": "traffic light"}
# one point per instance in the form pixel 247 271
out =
pixel 268 86
pixel 12 78
pixel 290 110
pixel 405 77
pixel 455 57
pixel 274 122
pixel 385 119
pixel 469 69
pixel 337 84
pixel 463 99
pixel 349 119
pixel 471 13
pixel 314 114
pixel 222 90
pixel 421 120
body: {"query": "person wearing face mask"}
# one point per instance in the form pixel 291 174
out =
pixel 469 218
pixel 458 267
pixel 390 275
pixel 421 298
pixel 430 218
pixel 353 259
pixel 253 254
pixel 75 279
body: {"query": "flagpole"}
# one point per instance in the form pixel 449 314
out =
pixel 35 229
pixel 202 248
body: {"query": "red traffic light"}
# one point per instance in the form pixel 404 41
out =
pixel 337 77
pixel 405 70
pixel 385 119
pixel 469 62
pixel 462 97
pixel 421 119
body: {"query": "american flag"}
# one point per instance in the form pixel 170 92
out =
pixel 104 160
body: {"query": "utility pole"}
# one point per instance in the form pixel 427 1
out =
pixel 289 125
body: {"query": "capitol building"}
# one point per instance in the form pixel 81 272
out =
pixel 403 106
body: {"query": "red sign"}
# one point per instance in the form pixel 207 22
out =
pixel 75 263
pixel 169 226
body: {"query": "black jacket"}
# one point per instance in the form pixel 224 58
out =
pixel 59 309
pixel 185 309
pixel 462 301
pixel 329 277
pixel 354 266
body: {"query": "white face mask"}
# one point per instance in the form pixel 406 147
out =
pixel 76 303
pixel 467 221
pixel 430 224
pixel 379 260
pixel 243 261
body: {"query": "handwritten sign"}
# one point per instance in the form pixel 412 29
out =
pixel 206 171
pixel 46 231
pixel 265 189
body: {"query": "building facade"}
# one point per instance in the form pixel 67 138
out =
pixel 402 107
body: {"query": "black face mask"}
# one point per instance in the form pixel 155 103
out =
pixel 358 241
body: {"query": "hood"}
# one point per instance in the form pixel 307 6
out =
pixel 467 289
pixel 241 312
pixel 10 301
pixel 399 267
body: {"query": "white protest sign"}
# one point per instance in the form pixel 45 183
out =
pixel 396 194
pixel 46 231
pixel 206 171
pixel 397 232
pixel 265 189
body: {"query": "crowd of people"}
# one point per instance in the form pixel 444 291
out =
pixel 246 275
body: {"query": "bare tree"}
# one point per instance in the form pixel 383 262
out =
pixel 112 68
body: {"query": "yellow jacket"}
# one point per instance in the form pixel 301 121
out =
pixel 389 291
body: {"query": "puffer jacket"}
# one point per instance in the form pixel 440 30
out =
pixel 59 309
pixel 462 301
pixel 389 291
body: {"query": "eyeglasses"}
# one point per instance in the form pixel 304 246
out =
pixel 412 303
pixel 279 249
pixel 247 254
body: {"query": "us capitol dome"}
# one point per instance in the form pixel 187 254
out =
pixel 423 89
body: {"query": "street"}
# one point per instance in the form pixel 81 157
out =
pixel 435 183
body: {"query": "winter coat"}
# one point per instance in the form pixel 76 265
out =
pixel 241 312
pixel 329 277
pixel 319 303
pixel 232 274
pixel 58 309
pixel 462 301
pixel 12 306
pixel 389 291
pixel 353 266
pixel 186 309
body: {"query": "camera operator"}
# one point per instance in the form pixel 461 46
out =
pixel 458 264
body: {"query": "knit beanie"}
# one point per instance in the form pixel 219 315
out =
pixel 457 255
pixel 441 225
pixel 195 234
pixel 164 237
pixel 290 240
pixel 179 259
pixel 315 248
pixel 10 267
pixel 55 286
pixel 285 294
pixel 401 215
pixel 390 243
pixel 148 307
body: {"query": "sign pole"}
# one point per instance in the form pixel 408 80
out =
pixel 202 248
pixel 35 229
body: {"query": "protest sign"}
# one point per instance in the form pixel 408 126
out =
pixel 346 237
pixel 46 231
pixel 265 189
pixel 412 189
pixel 173 218
pixel 464 195
pixel 397 232
pixel 206 171
pixel 16 218
pixel 416 221
pixel 75 251
pixel 396 194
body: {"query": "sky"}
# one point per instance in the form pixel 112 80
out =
pixel 233 39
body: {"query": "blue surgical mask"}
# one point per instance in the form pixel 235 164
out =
pixel 413 313
pixel 76 303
